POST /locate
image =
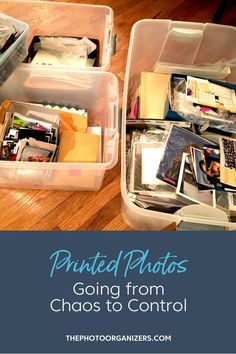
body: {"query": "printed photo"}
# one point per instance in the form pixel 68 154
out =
pixel 33 154
pixel 178 142
pixel 222 200
pixel 8 152
pixel 25 133
pixel 232 201
pixel 228 151
pixel 20 121
pixel 212 159
pixel 12 134
pixel 200 169
pixel 228 161
pixel 32 150
pixel 187 187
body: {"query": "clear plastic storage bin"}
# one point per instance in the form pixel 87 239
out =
pixel 94 91
pixel 14 55
pixel 66 19
pixel 167 45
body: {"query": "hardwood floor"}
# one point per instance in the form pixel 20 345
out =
pixel 65 210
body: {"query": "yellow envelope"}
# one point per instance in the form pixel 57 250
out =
pixel 72 122
pixel 78 147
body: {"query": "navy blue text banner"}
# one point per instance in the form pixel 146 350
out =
pixel 91 292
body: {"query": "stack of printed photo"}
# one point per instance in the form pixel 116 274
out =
pixel 28 133
pixel 175 167
pixel 198 168
pixel 33 132
pixel 145 189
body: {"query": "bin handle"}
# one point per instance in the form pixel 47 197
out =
pixel 187 32
pixel 114 116
pixel 203 212
pixel 114 44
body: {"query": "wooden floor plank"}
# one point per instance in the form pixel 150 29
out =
pixel 64 210
pixel 75 222
pixel 103 216
pixel 21 216
pixel 117 224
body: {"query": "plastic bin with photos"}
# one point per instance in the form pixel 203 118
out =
pixel 43 133
pixel 181 143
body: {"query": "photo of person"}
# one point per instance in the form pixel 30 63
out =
pixel 178 142
pixel 211 152
pixel 212 164
pixel 187 187
pixel 38 158
pixel 35 154
pixel 32 150
pixel 200 168
pixel 212 170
